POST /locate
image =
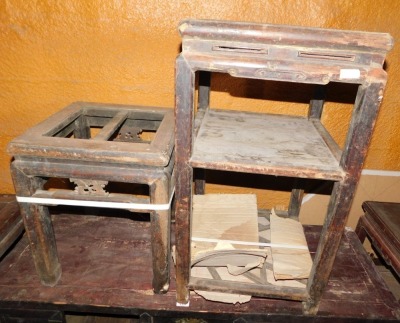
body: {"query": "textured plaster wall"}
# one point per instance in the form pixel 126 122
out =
pixel 57 52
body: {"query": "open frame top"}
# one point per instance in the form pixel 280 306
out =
pixel 101 133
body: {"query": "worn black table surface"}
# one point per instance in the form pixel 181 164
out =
pixel 387 217
pixel 106 268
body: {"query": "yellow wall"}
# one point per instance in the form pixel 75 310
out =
pixel 55 52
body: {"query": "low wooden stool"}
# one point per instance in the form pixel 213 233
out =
pixel 381 223
pixel 94 145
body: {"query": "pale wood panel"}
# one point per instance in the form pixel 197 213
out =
pixel 244 141
pixel 224 217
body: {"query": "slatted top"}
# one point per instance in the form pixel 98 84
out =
pixel 67 135
pixel 263 143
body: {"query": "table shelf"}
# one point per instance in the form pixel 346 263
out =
pixel 263 143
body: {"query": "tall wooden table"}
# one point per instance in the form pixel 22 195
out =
pixel 279 145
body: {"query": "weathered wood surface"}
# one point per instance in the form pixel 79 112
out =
pixel 64 147
pixel 263 143
pixel 381 223
pixel 11 225
pixel 39 226
pixel 224 217
pixel 48 138
pixel 289 263
pixel 286 53
pixel 107 269
pixel 184 123
pixel 365 112
pixel 286 35
pixel 277 53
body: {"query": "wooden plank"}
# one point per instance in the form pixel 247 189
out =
pixel 285 35
pixel 82 129
pixel 184 88
pixel 5 199
pixel 11 224
pixel 317 102
pixel 224 217
pixel 244 141
pixel 9 214
pixel 270 291
pixel 202 106
pixel 37 142
pixel 326 136
pixel 111 127
pixel 296 198
pixel 66 131
pixel 289 263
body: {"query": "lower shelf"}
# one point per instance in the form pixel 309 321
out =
pixel 268 291
pixel 238 251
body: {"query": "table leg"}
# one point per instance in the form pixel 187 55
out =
pixel 39 229
pixel 160 235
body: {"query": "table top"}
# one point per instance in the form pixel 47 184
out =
pixel 57 136
pixel 387 216
pixel 106 268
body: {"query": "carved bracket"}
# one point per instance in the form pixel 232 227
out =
pixel 129 134
pixel 89 187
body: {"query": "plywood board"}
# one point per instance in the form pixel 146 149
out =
pixel 256 273
pixel 293 261
pixel 218 221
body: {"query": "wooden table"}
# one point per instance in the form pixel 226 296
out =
pixel 381 223
pixel 92 150
pixel 298 146
pixel 106 263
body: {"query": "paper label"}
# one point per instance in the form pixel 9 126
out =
pixel 349 73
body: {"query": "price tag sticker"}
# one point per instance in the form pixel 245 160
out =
pixel 349 73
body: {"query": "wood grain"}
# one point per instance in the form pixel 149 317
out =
pixel 107 260
pixel 244 141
